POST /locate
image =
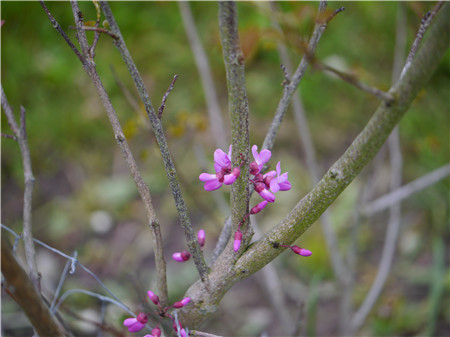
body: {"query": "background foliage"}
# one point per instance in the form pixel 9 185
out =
pixel 84 199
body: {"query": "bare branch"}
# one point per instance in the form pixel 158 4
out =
pixel 189 233
pixel 96 29
pixel 406 191
pixel 21 136
pixel 163 103
pixel 289 90
pixel 204 70
pixel 351 79
pixel 6 135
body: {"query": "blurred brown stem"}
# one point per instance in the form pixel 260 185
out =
pixel 19 286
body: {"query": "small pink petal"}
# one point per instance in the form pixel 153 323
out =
pixel 212 185
pixel 258 208
pixel 129 322
pixel 229 179
pixel 181 256
pixel 267 195
pixel 207 177
pixel 301 251
pixel 153 297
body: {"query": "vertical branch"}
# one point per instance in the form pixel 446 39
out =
pixel 144 192
pixel 291 86
pixel 155 122
pixel 201 60
pixel 238 108
pixel 21 136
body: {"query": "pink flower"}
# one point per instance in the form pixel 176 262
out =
pixel 260 159
pixel 224 173
pixel 136 324
pixel 183 333
pixel 262 190
pixel 301 251
pixel 277 181
pixel 181 303
pixel 182 256
pixel 201 237
pixel 237 240
pixel 258 208
pixel 153 297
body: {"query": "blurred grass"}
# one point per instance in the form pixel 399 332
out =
pixel 79 169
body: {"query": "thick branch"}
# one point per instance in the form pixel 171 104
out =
pixel 238 108
pixel 20 288
pixel 360 152
pixel 189 233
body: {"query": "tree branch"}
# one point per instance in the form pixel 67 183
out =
pixel 201 60
pixel 21 137
pixel 360 152
pixel 155 122
pixel 144 192
pixel 239 111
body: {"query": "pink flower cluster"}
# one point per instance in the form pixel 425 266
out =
pixel 137 323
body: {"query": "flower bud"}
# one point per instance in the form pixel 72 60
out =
pixel 237 240
pixel 153 297
pixel 181 303
pixel 258 208
pixel 254 168
pixel 181 257
pixel 156 332
pixel 201 237
pixel 301 251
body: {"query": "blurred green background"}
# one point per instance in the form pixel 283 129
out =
pixel 85 200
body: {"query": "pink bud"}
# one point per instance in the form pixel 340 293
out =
pixel 181 257
pixel 201 237
pixel 254 168
pixel 181 303
pixel 301 251
pixel 156 332
pixel 258 208
pixel 183 333
pixel 237 240
pixel 153 297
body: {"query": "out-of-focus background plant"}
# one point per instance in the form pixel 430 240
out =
pixel 84 199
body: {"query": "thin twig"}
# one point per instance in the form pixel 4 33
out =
pixel 21 136
pixel 96 29
pixel 61 31
pixel 222 241
pixel 190 237
pixel 351 79
pixel 163 103
pixel 406 191
pixel 6 135
pixel 424 24
pixel 129 97
pixel 201 60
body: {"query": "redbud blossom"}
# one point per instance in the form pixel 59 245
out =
pixel 277 181
pixel 224 174
pixel 301 251
pixel 136 324
pixel 183 333
pixel 182 256
pixel 201 237
pixel 262 190
pixel 237 240
pixel 260 159
pixel 153 297
pixel 181 303
pixel 258 208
